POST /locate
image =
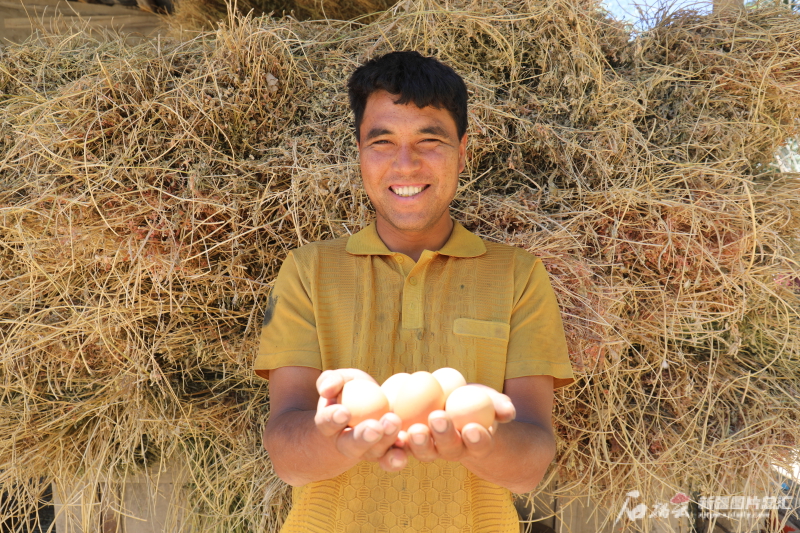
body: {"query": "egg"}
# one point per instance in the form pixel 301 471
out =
pixel 364 399
pixel 450 379
pixel 417 397
pixel 391 386
pixel 470 404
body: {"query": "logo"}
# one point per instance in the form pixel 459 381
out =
pixel 742 506
pixel 708 507
pixel 678 506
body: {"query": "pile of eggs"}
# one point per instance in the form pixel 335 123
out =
pixel 412 397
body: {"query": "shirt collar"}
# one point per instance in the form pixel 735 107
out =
pixel 462 243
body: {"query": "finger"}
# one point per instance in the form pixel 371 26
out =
pixel 503 407
pixel 402 439
pixel 331 419
pixel 420 444
pixel 393 460
pixel 391 427
pixel 477 440
pixel 355 442
pixel 446 439
pixel 330 382
pixel 325 402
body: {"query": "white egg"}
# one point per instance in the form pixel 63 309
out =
pixel 364 399
pixel 450 379
pixel 391 385
pixel 470 404
pixel 417 397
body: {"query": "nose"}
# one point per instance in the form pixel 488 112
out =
pixel 406 160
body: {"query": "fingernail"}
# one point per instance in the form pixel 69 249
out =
pixel 340 417
pixel 472 435
pixel 370 435
pixel 439 424
pixel 396 462
pixel 419 438
pixel 510 407
pixel 389 427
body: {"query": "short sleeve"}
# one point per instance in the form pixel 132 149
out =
pixel 537 345
pixel 289 332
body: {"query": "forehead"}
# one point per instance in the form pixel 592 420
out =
pixel 382 112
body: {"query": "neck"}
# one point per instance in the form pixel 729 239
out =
pixel 413 243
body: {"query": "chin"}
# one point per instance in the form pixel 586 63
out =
pixel 412 223
pixel 410 227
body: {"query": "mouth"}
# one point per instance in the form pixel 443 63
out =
pixel 407 191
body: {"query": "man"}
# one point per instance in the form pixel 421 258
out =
pixel 413 291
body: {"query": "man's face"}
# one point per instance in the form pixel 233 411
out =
pixel 410 161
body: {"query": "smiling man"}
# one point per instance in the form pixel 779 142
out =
pixel 412 291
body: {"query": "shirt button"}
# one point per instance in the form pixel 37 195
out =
pixel 412 280
pixel 399 258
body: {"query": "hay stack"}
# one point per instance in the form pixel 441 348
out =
pixel 207 14
pixel 149 195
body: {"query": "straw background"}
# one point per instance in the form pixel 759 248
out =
pixel 149 194
pixel 206 14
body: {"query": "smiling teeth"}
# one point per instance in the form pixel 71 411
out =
pixel 407 191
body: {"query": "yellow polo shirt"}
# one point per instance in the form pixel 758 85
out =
pixel 484 308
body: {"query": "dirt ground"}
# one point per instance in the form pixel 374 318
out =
pixel 19 19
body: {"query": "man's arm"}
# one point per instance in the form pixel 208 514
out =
pixel 307 435
pixel 515 454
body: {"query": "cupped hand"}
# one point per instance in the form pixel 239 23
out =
pixel 441 440
pixel 370 440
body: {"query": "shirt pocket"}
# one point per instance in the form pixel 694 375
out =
pixel 486 344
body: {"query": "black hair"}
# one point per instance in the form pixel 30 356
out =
pixel 426 81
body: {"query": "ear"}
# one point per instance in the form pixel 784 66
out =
pixel 462 153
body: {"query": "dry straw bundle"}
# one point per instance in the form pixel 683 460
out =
pixel 150 193
pixel 193 14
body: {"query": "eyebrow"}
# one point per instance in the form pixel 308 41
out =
pixel 376 132
pixel 429 130
pixel 434 130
